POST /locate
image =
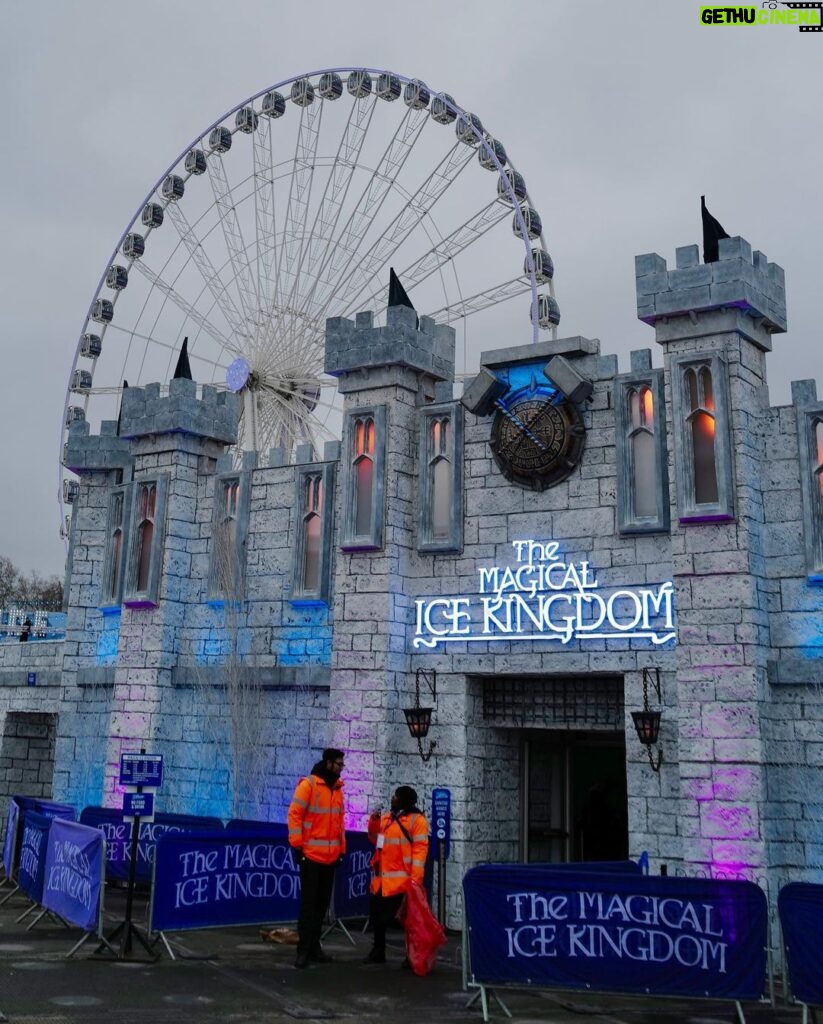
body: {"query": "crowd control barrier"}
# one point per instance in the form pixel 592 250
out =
pixel 13 842
pixel 535 926
pixel 800 906
pixel 118 837
pixel 74 876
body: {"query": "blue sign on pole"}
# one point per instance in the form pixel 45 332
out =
pixel 138 805
pixel 141 770
pixel 441 821
pixel 31 679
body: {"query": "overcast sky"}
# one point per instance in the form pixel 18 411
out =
pixel 619 114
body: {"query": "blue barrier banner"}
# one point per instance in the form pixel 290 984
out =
pixel 353 877
pixel 74 873
pixel 616 932
pixel 800 906
pixel 274 829
pixel 214 880
pixel 32 867
pixel 51 809
pixel 10 842
pixel 621 867
pixel 118 837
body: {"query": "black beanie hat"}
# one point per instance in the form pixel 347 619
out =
pixel 406 797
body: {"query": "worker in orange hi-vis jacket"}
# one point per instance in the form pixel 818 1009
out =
pixel 317 835
pixel 401 841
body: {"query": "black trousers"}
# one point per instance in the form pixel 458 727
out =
pixel 316 881
pixel 382 910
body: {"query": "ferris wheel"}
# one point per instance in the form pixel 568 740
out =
pixel 289 209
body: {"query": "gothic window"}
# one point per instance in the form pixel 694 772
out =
pixel 440 490
pixel 365 432
pixel 702 439
pixel 146 543
pixel 702 429
pixel 312 552
pixel 363 473
pixel 642 479
pixel 810 434
pixel 228 536
pixel 114 559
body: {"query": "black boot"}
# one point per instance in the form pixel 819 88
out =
pixel 374 957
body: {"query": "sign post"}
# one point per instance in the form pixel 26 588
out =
pixel 441 843
pixel 136 771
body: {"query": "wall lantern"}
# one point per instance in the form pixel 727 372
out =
pixel 647 722
pixel 419 719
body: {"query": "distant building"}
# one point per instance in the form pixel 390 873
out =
pixel 515 561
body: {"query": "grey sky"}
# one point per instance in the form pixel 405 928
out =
pixel 619 115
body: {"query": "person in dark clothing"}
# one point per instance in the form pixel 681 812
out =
pixel 26 631
pixel 317 835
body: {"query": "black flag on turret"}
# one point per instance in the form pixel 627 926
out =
pixel 120 410
pixel 397 293
pixel 712 233
pixel 183 370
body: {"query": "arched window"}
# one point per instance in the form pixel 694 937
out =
pixel 701 425
pixel 146 510
pixel 441 479
pixel 818 471
pixel 312 531
pixel 644 483
pixel 363 474
pixel 115 566
pixel 227 574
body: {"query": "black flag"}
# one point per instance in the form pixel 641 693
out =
pixel 712 233
pixel 183 370
pixel 120 411
pixel 397 293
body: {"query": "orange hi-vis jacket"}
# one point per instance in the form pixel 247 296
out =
pixel 397 861
pixel 316 820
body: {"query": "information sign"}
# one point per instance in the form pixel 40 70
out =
pixel 441 821
pixel 141 770
pixel 138 805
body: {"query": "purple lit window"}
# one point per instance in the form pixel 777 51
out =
pixel 363 475
pixel 641 438
pixel 702 428
pixel 441 479
pixel 146 507
pixel 312 526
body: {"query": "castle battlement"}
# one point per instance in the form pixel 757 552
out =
pixel 214 415
pixel 355 345
pixel 739 280
pixel 85 452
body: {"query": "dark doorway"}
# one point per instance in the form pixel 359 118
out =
pixel 574 797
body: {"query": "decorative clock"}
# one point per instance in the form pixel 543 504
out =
pixel 537 437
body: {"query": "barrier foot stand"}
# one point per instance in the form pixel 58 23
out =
pixel 30 909
pixel 54 917
pixel 161 937
pixel 339 924
pixel 806 1010
pixel 484 1002
pixel 740 1015
pixel 8 896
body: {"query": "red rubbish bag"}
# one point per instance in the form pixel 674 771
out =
pixel 424 933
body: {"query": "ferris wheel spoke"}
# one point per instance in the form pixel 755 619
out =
pixel 186 307
pixel 264 208
pixel 482 300
pixel 320 239
pixel 197 252
pixel 233 236
pixel 346 249
pixel 297 210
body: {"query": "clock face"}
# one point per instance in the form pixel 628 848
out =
pixel 537 440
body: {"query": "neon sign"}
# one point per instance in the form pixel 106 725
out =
pixel 542 597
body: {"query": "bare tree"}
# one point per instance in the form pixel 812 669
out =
pixel 235 722
pixel 28 590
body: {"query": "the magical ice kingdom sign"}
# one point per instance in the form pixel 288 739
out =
pixel 543 597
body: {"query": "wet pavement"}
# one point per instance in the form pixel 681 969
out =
pixel 232 976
